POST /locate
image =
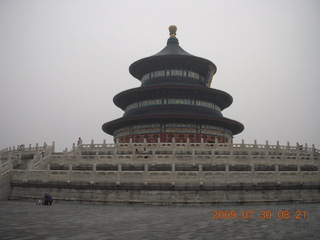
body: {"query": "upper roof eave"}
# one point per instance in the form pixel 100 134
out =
pixel 171 51
pixel 160 62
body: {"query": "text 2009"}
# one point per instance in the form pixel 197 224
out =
pixel 264 214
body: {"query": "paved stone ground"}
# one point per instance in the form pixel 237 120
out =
pixel 25 220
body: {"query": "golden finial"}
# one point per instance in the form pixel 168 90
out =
pixel 172 30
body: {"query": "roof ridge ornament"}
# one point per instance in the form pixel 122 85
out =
pixel 173 31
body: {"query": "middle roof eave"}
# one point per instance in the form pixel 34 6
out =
pixel 221 98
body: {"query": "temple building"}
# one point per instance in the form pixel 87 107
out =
pixel 174 102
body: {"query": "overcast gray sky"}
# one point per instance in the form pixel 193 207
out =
pixel 62 62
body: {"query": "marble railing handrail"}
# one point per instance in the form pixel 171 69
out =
pixel 30 149
pixel 159 145
pixel 198 146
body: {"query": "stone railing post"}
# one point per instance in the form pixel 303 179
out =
pixel 313 152
pixel 277 173
pixel 188 143
pixel 306 147
pixel 10 166
pixel 144 142
pixel 300 173
pixel 153 152
pixel 173 144
pixel 119 174
pixel 253 179
pixel 92 145
pixel 53 147
pixel 10 160
pixel 115 154
pixel 33 160
pixel 70 175
pixel 227 174
pixel 297 148
pixel 94 172
pixel 173 173
pixel 146 172
pixel 48 173
pixel 28 172
pixel 230 143
pixel 65 153
pixel 212 150
pixel 278 146
pixel 242 145
pixel 255 145
pixel 74 149
pixel 231 153
pixel 19 157
pixel 193 155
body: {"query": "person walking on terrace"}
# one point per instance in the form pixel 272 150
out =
pixel 79 142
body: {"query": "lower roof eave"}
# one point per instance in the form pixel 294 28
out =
pixel 234 126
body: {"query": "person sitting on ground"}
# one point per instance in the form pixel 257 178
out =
pixel 47 199
pixel 39 202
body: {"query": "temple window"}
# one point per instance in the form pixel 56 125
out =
pixel 179 101
pixel 172 73
pixel 145 77
pixel 176 72
pixel 159 73
pixel 184 73
pixel 193 75
pixel 165 101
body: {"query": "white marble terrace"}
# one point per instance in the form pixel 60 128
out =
pixel 201 163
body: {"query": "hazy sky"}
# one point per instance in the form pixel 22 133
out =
pixel 62 62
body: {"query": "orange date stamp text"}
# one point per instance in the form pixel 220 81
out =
pixel 263 214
